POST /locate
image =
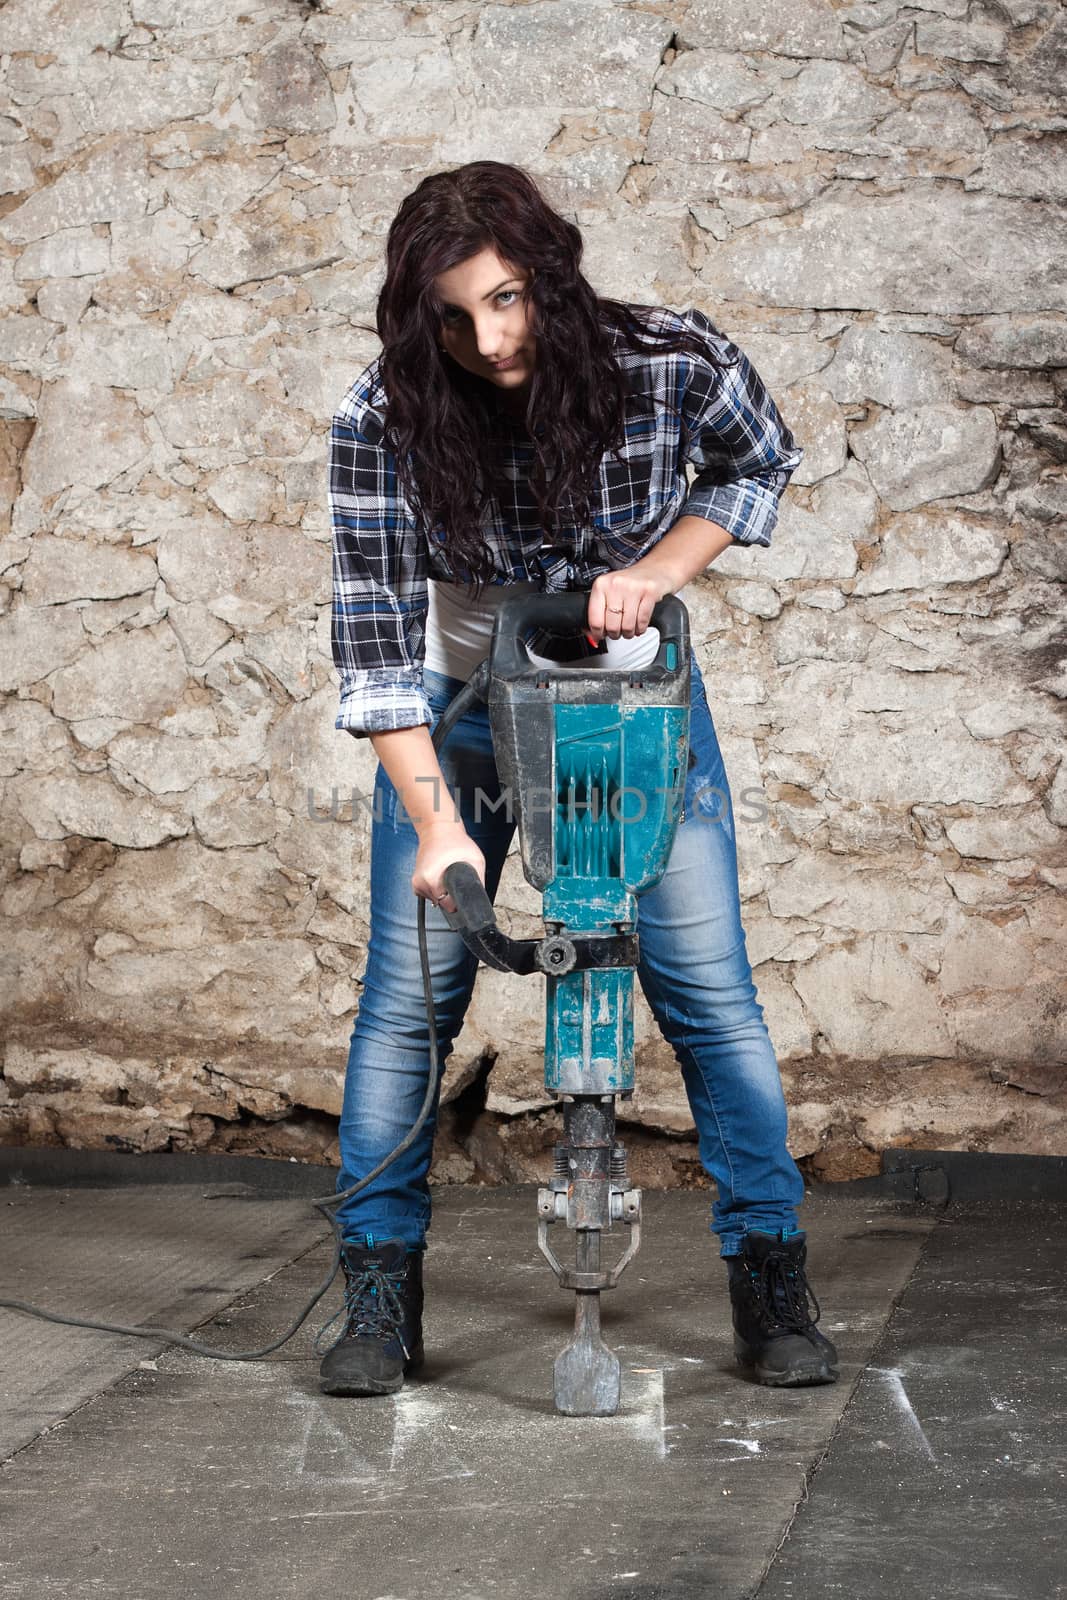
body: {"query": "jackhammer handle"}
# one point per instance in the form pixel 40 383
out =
pixel 474 910
pixel 567 611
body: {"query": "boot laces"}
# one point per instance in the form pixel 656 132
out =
pixel 782 1292
pixel 372 1308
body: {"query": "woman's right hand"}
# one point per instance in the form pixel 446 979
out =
pixel 439 846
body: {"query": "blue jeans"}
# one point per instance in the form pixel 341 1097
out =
pixel 694 971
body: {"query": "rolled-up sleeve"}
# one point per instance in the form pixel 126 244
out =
pixel 380 593
pixel 733 433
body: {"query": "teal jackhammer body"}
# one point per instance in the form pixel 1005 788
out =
pixel 594 766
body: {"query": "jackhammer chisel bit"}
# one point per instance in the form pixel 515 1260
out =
pixel 587 1377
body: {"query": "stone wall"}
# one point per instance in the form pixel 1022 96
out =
pixel 868 198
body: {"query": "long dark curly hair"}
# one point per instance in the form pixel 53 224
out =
pixel 439 414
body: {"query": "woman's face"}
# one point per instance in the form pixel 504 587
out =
pixel 486 322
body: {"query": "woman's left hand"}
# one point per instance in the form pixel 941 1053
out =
pixel 621 603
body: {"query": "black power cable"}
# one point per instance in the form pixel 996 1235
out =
pixel 476 688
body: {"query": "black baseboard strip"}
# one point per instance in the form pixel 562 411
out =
pixel 935 1178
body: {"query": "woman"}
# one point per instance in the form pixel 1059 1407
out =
pixel 520 432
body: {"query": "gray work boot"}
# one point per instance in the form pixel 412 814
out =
pixel 774 1330
pixel 380 1343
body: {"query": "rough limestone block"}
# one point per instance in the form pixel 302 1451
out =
pixel 85 434
pixel 35 641
pixel 136 675
pixel 804 28
pixel 525 55
pixel 885 253
pixel 872 997
pixel 938 763
pixel 109 184
pixel 889 368
pixel 925 453
pixel 95 808
pixel 923 548
pixel 72 569
pixel 248 577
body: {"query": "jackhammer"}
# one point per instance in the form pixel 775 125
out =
pixel 595 765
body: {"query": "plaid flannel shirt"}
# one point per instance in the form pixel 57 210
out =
pixel 724 423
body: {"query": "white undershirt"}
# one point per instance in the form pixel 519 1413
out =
pixel 459 630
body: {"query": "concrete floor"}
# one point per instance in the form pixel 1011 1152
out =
pixel 934 1467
